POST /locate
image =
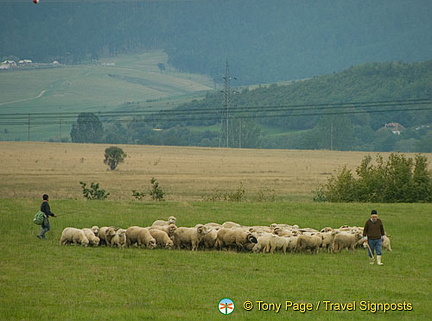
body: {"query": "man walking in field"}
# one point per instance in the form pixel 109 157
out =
pixel 373 233
pixel 47 210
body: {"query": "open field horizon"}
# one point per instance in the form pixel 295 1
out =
pixel 29 169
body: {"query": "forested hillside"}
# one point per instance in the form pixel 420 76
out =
pixel 372 107
pixel 264 41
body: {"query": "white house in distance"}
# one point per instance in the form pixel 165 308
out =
pixel 395 128
pixel 8 64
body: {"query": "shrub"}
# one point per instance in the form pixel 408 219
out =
pixel 156 193
pixel 93 193
pixel 397 180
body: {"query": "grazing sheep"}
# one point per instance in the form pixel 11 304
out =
pixel 95 230
pixel 73 235
pixel 327 240
pixel 119 239
pixel 171 220
pixel 162 238
pixel 278 243
pixel 208 240
pixel 310 242
pixel 344 240
pixel 234 237
pixel 262 244
pixel 185 236
pixel 106 233
pixel 169 229
pixel 283 232
pixel 141 236
pixel 231 225
pixel 93 239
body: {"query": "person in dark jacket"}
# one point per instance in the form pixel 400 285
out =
pixel 373 233
pixel 47 210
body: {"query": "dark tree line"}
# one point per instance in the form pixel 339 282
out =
pixel 265 41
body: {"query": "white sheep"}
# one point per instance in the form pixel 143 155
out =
pixel 73 235
pixel 228 237
pixel 185 236
pixel 162 238
pixel 169 229
pixel 208 240
pixel 345 240
pixel 279 243
pixel 327 240
pixel 310 242
pixel 106 233
pixel 140 236
pixel 171 220
pixel 93 239
pixel 262 244
pixel 119 239
pixel 231 225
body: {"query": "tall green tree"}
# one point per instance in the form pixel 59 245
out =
pixel 114 156
pixel 87 129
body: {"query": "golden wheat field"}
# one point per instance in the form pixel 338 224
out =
pixel 29 169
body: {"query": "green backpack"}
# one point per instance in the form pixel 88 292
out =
pixel 39 218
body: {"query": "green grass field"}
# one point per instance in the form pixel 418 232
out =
pixel 41 280
pixel 129 81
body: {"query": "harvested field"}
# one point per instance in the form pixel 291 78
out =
pixel 29 169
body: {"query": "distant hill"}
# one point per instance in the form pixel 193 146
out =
pixel 40 102
pixel 356 109
pixel 264 40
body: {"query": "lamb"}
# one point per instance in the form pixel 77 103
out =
pixel 162 238
pixel 345 240
pixel 119 239
pixel 93 239
pixel 141 236
pixel 234 237
pixel 185 236
pixel 311 242
pixel 171 220
pixel 106 233
pixel 73 235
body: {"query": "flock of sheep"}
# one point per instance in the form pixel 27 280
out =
pixel 229 235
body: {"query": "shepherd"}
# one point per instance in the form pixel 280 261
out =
pixel 47 210
pixel 373 234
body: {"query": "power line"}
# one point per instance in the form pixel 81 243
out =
pixel 269 111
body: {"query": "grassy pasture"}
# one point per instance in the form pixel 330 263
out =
pixel 45 281
pixel 41 280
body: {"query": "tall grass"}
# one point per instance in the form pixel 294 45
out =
pixel 41 280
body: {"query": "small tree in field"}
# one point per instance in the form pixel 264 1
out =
pixel 156 193
pixel 114 156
